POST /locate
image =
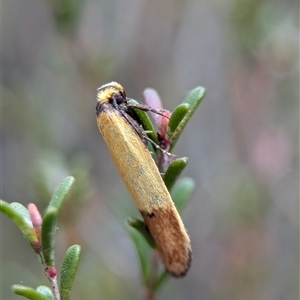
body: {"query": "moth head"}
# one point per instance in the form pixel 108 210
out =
pixel 111 92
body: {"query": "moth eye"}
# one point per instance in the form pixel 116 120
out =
pixel 118 98
pixel 123 94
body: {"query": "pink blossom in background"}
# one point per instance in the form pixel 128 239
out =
pixel 153 100
pixel 272 153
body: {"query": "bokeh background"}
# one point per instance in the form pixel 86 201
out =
pixel 242 142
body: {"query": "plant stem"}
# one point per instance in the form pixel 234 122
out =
pixel 54 286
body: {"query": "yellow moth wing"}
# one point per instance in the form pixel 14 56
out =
pixel 134 162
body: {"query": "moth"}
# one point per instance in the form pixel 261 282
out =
pixel 127 143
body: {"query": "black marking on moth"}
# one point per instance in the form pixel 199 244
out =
pixel 151 215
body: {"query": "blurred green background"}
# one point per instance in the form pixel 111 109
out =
pixel 243 141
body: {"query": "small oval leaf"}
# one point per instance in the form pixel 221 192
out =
pixel 143 251
pixel 61 192
pixel 160 280
pixel 140 226
pixel 22 222
pixel 174 170
pixel 45 291
pixel 145 121
pixel 195 96
pixel 193 99
pixel 48 235
pixel 177 115
pixel 28 292
pixel 23 211
pixel 182 192
pixel 68 271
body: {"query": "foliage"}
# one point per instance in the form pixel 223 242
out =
pixel 40 231
pixel 40 234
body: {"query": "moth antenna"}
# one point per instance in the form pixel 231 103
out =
pixel 159 148
pixel 148 108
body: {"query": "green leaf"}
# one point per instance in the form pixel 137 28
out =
pixel 143 251
pixel 28 292
pixel 20 218
pixel 45 291
pixel 182 192
pixel 193 99
pixel 177 115
pixel 48 235
pixel 174 170
pixel 68 271
pixel 145 121
pixel 195 96
pixel 140 226
pixel 23 211
pixel 160 280
pixel 61 192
